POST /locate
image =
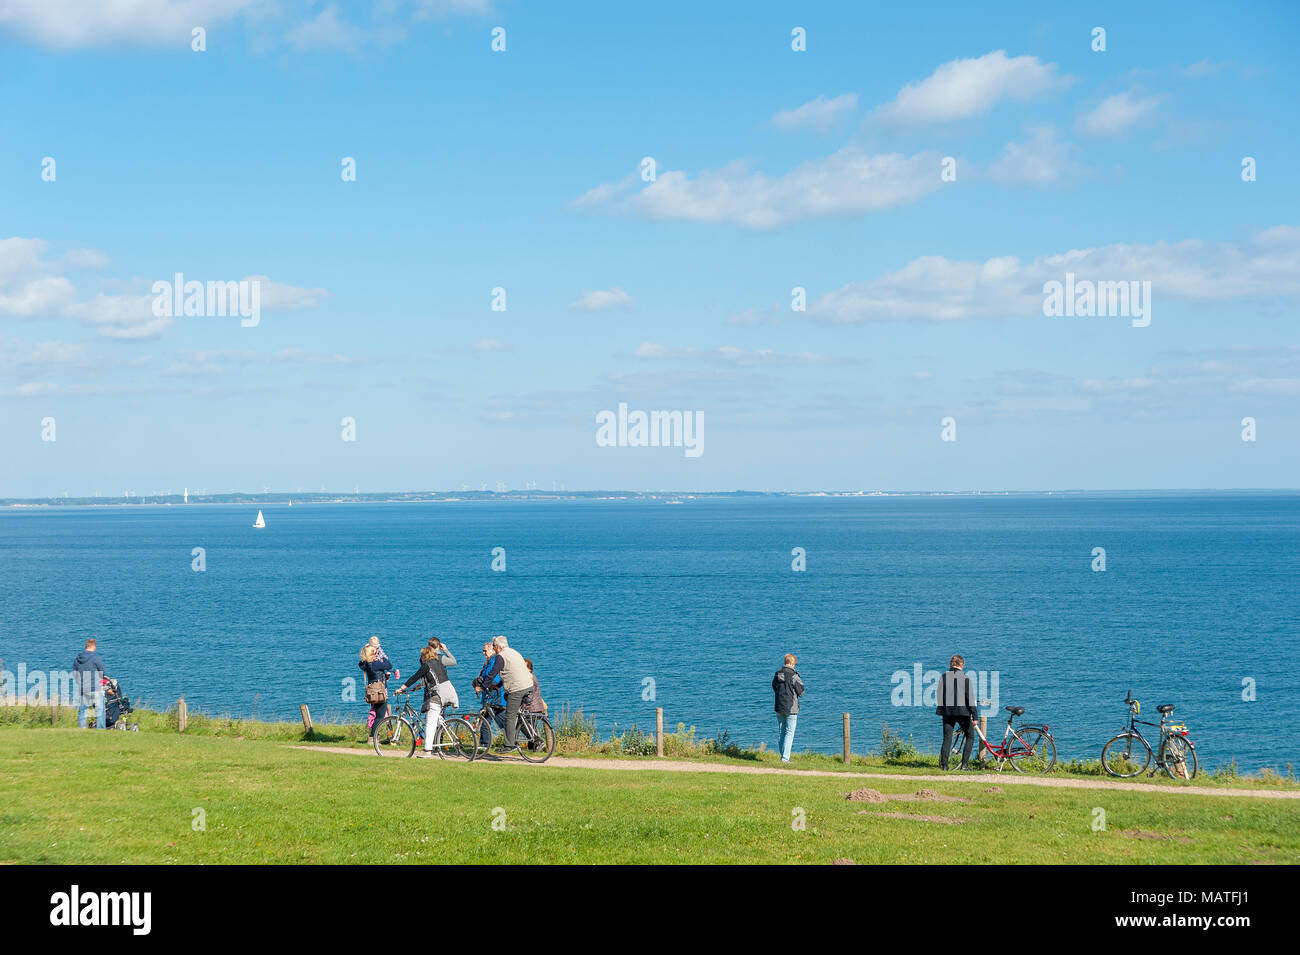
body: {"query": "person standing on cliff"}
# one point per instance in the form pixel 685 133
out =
pixel 788 687
pixel 958 706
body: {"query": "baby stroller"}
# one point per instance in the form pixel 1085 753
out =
pixel 117 707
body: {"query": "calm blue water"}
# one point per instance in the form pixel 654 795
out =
pixel 1199 593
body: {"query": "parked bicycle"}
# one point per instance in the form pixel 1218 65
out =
pixel 1129 754
pixel 1028 749
pixel 398 734
pixel 534 735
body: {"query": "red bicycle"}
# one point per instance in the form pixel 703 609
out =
pixel 1029 749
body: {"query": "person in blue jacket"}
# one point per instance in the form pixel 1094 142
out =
pixel 88 670
pixel 488 684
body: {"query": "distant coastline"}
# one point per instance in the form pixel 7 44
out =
pixel 463 497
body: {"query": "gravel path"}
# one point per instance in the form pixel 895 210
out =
pixel 1003 779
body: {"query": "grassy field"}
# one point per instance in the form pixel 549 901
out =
pixel 73 796
pixel 577 736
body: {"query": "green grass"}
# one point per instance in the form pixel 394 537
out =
pixel 84 797
pixel 578 736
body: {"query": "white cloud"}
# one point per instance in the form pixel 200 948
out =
pixel 326 32
pixel 1204 68
pixel 602 299
pixel 85 259
pixel 1117 114
pixel 819 114
pixel 751 316
pixel 847 183
pixel 933 288
pixel 729 355
pixel 280 297
pixel 31 287
pixel 432 9
pixel 70 24
pixel 971 87
pixel 1042 160
pixel 491 345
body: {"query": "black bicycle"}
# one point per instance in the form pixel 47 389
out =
pixel 1128 753
pixel 398 734
pixel 534 736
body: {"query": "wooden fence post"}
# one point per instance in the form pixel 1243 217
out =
pixel 54 706
pixel 846 739
pixel 659 731
pixel 984 730
pixel 306 718
pixel 182 715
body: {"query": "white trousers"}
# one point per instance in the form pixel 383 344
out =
pixel 431 720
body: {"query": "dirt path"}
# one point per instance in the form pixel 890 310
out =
pixel 684 766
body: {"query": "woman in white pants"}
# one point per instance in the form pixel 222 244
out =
pixel 437 685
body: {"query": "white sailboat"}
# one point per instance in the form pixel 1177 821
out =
pixel 261 521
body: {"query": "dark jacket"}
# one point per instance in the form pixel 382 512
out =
pixel 431 673
pixel 788 688
pixel 956 696
pixel 377 670
pixel 89 670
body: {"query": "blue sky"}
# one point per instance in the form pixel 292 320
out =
pixel 520 169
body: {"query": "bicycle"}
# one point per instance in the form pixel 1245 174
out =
pixel 1128 753
pixel 398 734
pixel 1029 749
pixel 534 736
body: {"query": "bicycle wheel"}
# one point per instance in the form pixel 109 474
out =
pixel 537 742
pixel 457 738
pixel 393 736
pixel 1126 755
pixel 1031 749
pixel 1178 758
pixel 958 744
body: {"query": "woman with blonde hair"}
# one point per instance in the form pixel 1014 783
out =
pixel 376 671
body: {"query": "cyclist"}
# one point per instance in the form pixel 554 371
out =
pixel 433 675
pixel 517 683
pixel 488 685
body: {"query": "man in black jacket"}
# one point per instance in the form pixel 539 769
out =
pixel 957 704
pixel 788 688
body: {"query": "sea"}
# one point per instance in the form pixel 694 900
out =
pixel 1060 603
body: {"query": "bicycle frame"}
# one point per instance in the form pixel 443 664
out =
pixel 416 720
pixel 1000 751
pixel 523 722
pixel 1165 728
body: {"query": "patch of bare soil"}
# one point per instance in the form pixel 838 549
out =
pixel 946 820
pixel 1142 834
pixel 994 789
pixel 843 862
pixel 921 795
pixel 866 795
pixel 928 795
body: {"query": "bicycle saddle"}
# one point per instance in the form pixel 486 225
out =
pixel 1015 710
pixel 1166 708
